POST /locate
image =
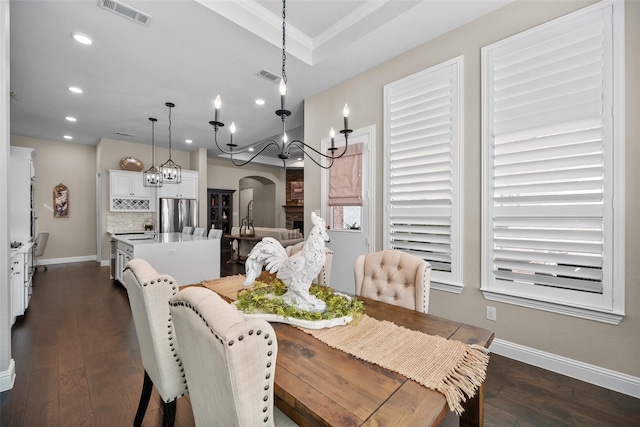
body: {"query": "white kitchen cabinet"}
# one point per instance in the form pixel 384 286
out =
pixel 21 279
pixel 187 189
pixel 21 210
pixel 188 259
pixel 124 254
pixel 128 193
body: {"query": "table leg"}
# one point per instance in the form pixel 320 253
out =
pixel 473 415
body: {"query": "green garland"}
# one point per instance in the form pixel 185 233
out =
pixel 267 298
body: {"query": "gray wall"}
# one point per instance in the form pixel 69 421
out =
pixel 607 346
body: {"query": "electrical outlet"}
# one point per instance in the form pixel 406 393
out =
pixel 491 313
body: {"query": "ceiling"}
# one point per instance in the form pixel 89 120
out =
pixel 190 51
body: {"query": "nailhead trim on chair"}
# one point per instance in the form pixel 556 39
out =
pixel 170 332
pixel 230 343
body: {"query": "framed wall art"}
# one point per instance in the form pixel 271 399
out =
pixel 61 201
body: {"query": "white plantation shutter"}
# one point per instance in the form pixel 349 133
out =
pixel 549 162
pixel 422 119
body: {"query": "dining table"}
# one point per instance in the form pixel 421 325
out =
pixel 317 385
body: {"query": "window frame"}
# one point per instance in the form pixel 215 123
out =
pixel 447 281
pixel 609 306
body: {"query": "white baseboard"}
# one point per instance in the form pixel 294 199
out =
pixel 51 261
pixel 104 263
pixel 591 374
pixel 8 377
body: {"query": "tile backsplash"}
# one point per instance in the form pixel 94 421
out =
pixel 118 222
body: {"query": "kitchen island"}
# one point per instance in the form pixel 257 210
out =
pixel 188 259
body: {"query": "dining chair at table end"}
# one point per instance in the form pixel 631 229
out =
pixel 394 277
pixel 230 365
pixel 149 294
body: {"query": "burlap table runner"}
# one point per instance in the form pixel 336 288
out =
pixel 451 367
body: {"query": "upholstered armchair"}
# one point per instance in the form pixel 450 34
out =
pixel 325 274
pixel 394 277
pixel 230 364
pixel 149 294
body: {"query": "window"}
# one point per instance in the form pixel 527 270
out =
pixel 345 190
pixel 553 172
pixel 423 182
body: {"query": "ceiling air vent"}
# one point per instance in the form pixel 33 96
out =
pixel 272 77
pixel 123 133
pixel 126 11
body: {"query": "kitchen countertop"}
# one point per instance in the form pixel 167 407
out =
pixel 147 238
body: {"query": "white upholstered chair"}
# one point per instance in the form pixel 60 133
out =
pixel 187 230
pixel 199 231
pixel 215 233
pixel 39 246
pixel 149 294
pixel 230 364
pixel 394 277
pixel 325 274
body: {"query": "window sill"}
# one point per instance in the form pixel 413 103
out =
pixel 446 287
pixel 583 313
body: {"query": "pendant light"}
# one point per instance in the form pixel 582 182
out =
pixel 152 177
pixel 171 172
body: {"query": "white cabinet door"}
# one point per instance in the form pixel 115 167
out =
pixel 120 184
pixel 137 186
pixel 170 191
pixel 124 254
pixel 17 286
pixel 187 189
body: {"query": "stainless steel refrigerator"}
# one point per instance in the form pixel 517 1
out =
pixel 176 214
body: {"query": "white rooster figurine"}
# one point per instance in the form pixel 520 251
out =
pixel 297 271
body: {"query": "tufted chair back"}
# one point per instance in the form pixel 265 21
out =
pixel 325 274
pixel 231 361
pixel 149 294
pixel 394 277
pixel 187 230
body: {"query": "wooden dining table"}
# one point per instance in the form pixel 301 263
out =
pixel 316 385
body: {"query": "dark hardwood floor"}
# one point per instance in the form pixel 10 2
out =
pixel 78 364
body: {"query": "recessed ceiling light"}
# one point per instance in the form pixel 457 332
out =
pixel 188 141
pixel 299 159
pixel 75 89
pixel 71 119
pixel 250 148
pixel 68 137
pixel 259 101
pixel 82 38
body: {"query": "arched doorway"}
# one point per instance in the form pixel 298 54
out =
pixel 263 193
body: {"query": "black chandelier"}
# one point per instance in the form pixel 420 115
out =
pixel 284 145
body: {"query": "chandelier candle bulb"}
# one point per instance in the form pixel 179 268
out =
pixel 332 134
pixel 283 92
pixel 217 104
pixel 232 129
pixel 345 111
